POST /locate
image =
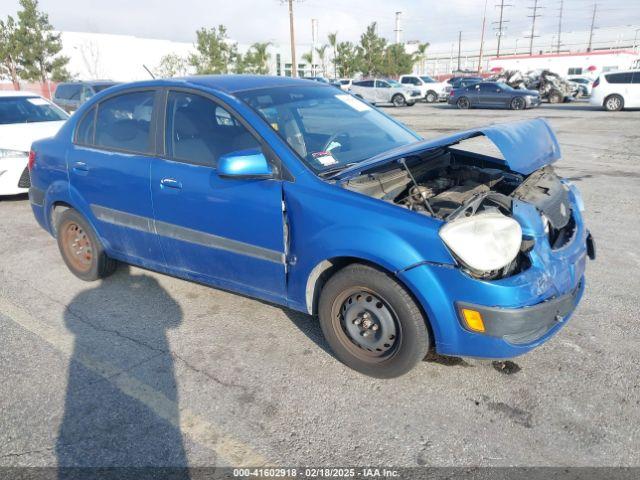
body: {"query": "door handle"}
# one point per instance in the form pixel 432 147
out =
pixel 171 183
pixel 80 167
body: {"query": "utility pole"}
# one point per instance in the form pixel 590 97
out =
pixel 459 47
pixel 314 41
pixel 533 17
pixel 294 63
pixel 560 26
pixel 501 28
pixel 484 22
pixel 398 30
pixel 593 23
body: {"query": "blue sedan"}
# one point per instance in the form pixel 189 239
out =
pixel 293 192
pixel 493 95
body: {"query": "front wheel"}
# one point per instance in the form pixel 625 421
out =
pixel 431 97
pixel 398 100
pixel 518 103
pixel 372 323
pixel 81 249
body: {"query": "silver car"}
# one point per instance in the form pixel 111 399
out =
pixel 381 91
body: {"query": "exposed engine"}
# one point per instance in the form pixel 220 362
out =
pixel 452 184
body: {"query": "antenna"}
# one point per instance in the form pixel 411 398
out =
pixel 148 71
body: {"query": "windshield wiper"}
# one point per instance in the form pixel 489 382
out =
pixel 328 173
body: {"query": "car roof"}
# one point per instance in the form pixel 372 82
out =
pixel 238 83
pixel 17 93
pixel 90 82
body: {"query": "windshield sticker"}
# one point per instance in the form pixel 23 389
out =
pixel 37 101
pixel 325 158
pixel 354 103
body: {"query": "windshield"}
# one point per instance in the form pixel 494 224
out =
pixel 28 110
pixel 329 130
pixel 427 79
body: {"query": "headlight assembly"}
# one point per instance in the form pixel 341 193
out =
pixel 484 242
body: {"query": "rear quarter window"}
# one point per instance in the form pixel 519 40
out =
pixel 86 128
pixel 618 78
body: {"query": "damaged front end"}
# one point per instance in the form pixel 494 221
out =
pixel 475 194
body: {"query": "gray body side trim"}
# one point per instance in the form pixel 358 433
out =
pixel 189 235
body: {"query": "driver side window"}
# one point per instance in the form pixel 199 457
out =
pixel 200 131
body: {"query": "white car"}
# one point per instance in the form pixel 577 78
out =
pixel 379 91
pixel 430 89
pixel 617 90
pixel 584 83
pixel 24 118
pixel 345 83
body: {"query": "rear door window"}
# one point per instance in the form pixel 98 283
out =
pixel 619 77
pixel 85 132
pixel 124 122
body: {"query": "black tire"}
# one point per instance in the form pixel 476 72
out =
pixel 518 103
pixel 404 339
pixel 81 249
pixel 613 103
pixel 555 97
pixel 411 104
pixel 398 100
pixel 463 103
pixel 431 97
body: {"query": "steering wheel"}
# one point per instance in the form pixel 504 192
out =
pixel 335 137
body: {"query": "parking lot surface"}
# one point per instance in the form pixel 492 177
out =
pixel 144 369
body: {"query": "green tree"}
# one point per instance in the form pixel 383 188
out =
pixel 322 57
pixel 420 56
pixel 371 52
pixel 308 58
pixel 39 46
pixel 256 60
pixel 216 54
pixel 346 59
pixel 333 43
pixel 396 61
pixel 9 52
pixel 172 65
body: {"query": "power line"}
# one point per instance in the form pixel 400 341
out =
pixel 533 17
pixel 501 28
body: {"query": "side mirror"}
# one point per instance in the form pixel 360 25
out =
pixel 244 164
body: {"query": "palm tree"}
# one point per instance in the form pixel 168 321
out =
pixel 322 54
pixel 261 56
pixel 333 42
pixel 308 58
pixel 420 56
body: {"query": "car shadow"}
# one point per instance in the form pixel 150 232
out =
pixel 14 198
pixel 121 412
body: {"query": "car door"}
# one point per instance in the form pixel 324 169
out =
pixel 221 230
pixel 108 168
pixel 382 92
pixel 490 95
pixel 634 91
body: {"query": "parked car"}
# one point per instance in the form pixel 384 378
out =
pixel 430 89
pixel 310 198
pixel 460 82
pixel 24 117
pixel 318 79
pixel 494 95
pixel 616 91
pixel 584 84
pixel 385 91
pixel 71 95
pixel 344 83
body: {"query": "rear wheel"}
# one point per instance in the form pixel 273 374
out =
pixel 372 323
pixel 555 97
pixel 431 96
pixel 614 103
pixel 518 103
pixel 81 249
pixel 398 100
pixel 463 103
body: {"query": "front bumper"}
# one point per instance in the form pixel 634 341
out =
pixel 12 176
pixel 520 312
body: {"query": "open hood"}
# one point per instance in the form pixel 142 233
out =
pixel 526 146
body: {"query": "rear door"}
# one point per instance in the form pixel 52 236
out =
pixel 365 89
pixel 226 231
pixel 109 169
pixel 382 92
pixel 490 95
pixel 634 91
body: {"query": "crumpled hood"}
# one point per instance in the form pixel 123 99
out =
pixel 526 146
pixel 20 136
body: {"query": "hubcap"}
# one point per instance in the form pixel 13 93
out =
pixel 368 323
pixel 77 246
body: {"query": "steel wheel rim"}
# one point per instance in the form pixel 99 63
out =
pixel 77 247
pixel 366 325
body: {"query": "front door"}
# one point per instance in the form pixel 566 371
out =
pixel 109 169
pixel 223 231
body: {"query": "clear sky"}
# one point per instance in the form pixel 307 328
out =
pixel 248 21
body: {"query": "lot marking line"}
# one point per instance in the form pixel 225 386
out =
pixel 197 428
